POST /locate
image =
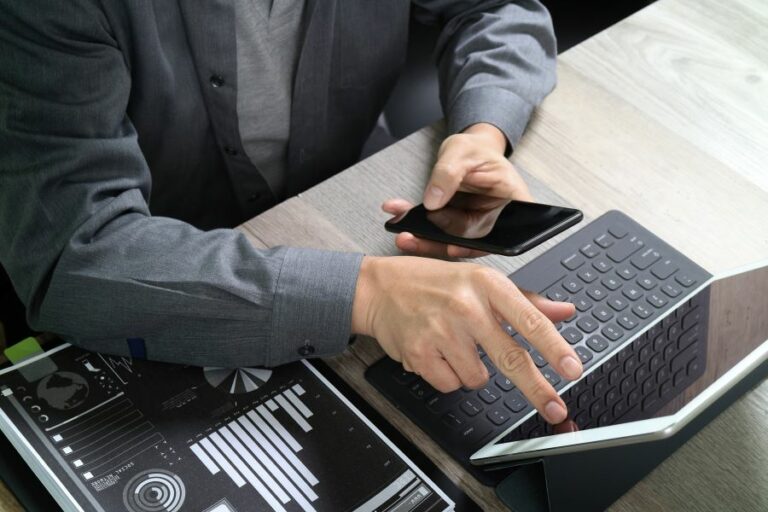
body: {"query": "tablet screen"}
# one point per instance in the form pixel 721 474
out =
pixel 670 364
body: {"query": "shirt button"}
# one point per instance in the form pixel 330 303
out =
pixel 306 350
pixel 217 80
pixel 230 150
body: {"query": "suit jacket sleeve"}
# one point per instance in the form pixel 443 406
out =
pixel 78 240
pixel 496 60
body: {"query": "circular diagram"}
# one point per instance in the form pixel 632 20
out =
pixel 63 390
pixel 236 380
pixel 155 490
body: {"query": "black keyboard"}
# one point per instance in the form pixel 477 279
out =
pixel 621 278
pixel 640 379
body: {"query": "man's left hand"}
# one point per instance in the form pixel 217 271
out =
pixel 471 161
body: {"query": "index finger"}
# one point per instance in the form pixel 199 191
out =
pixel 509 302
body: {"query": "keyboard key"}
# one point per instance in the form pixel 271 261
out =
pixel 626 273
pixel 441 402
pixel 488 395
pixel 602 313
pixel 582 304
pixel 624 248
pixel 690 318
pixel 596 293
pixel 612 332
pixel 617 303
pixel 632 293
pixel 694 367
pixel 612 396
pixel 474 433
pixel 515 401
pixel 611 283
pixel 572 285
pixel 630 365
pixel 538 359
pixel 471 407
pixel 671 290
pixel 452 420
pixel 633 397
pixel 626 385
pixel 619 409
pixel 673 332
pixel 644 259
pixel 685 280
pixel 597 343
pixel 648 386
pixel 602 265
pixel 688 337
pixel 597 407
pixel 573 261
pixel 582 420
pixel 604 241
pixel 627 321
pixel 521 341
pixel 589 250
pixel 557 295
pixel 641 311
pixel 614 376
pixel 656 300
pixel 504 383
pixel 422 390
pixel 403 377
pixel 489 365
pixel 600 387
pixel 587 275
pixel 649 401
pixel 664 269
pixel 572 335
pixel 587 324
pixel 646 282
pixel 617 231
pixel 498 416
pixel 552 377
pixel 584 354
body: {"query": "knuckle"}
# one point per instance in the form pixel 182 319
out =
pixel 513 361
pixel 446 386
pixel 448 170
pixel 532 321
pixel 416 351
pixel 462 304
pixel 475 379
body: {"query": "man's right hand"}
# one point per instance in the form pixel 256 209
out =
pixel 431 315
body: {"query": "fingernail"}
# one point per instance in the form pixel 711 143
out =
pixel 555 412
pixel 571 367
pixel 409 245
pixel 434 194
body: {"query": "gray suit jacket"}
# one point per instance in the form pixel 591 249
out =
pixel 120 154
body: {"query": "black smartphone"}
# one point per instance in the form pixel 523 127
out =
pixel 489 224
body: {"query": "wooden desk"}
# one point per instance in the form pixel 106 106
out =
pixel 663 116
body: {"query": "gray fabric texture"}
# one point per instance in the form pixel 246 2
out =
pixel 122 165
pixel 268 34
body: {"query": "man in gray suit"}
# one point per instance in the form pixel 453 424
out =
pixel 135 134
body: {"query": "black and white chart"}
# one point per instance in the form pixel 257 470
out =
pixel 107 433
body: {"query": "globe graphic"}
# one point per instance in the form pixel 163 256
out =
pixel 63 390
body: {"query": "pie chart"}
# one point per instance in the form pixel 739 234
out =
pixel 236 380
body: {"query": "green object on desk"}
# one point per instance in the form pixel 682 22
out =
pixel 24 349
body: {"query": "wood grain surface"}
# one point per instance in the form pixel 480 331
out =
pixel 663 116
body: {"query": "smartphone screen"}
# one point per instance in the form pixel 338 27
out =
pixel 490 224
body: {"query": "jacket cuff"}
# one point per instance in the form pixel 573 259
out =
pixel 312 316
pixel 502 108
